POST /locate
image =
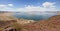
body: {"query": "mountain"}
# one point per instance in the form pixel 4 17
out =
pixel 7 21
pixel 52 24
pixel 43 12
pixel 5 15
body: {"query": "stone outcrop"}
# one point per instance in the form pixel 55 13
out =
pixel 24 21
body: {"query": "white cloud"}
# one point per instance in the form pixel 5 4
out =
pixel 31 8
pixel 10 4
pixel 47 6
pixel 2 5
pixel 6 7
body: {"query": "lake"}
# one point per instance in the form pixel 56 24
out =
pixel 40 16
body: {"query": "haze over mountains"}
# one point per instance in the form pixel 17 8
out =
pixel 33 15
pixel 36 15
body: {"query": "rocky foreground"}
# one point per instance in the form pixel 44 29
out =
pixel 7 21
pixel 52 24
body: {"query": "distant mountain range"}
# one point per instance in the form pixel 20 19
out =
pixel 33 11
pixel 33 15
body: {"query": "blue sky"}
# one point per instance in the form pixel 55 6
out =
pixel 19 5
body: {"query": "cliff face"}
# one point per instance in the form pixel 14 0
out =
pixel 52 24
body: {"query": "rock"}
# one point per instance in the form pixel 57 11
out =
pixel 52 24
pixel 24 21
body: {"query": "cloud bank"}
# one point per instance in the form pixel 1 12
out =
pixel 46 6
pixel 7 7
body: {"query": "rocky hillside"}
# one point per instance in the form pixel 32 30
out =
pixel 6 16
pixel 52 24
pixel 7 19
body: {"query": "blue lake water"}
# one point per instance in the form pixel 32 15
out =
pixel 34 16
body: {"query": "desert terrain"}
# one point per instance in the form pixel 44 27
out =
pixel 51 24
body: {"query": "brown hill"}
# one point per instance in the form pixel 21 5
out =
pixel 52 24
pixel 6 16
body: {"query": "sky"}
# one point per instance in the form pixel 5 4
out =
pixel 29 5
